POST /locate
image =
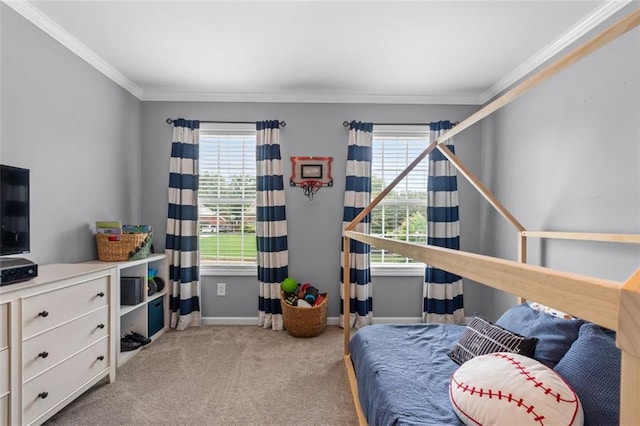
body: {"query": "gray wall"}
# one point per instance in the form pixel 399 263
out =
pixel 564 157
pixel 314 226
pixel 79 134
pixel 96 152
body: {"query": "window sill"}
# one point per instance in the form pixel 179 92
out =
pixel 230 271
pixel 397 271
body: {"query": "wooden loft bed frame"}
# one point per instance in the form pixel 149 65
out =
pixel 611 304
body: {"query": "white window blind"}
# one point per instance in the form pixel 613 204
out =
pixel 227 194
pixel 402 214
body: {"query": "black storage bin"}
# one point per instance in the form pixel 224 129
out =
pixel 155 313
pixel 131 290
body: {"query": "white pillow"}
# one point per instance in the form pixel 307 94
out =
pixel 509 389
pixel 551 311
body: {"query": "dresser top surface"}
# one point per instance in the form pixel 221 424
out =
pixel 55 272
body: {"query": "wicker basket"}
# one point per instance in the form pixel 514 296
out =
pixel 128 247
pixel 304 322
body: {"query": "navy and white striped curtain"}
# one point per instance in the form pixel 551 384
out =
pixel 182 225
pixel 271 224
pixel 357 196
pixel 442 290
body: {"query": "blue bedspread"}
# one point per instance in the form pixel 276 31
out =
pixel 403 373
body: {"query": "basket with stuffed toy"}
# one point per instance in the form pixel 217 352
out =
pixel 131 242
pixel 304 308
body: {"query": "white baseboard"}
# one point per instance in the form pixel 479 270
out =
pixel 229 321
pixel 330 320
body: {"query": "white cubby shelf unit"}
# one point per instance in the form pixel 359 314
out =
pixel 136 317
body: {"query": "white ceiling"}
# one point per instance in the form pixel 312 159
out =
pixel 317 51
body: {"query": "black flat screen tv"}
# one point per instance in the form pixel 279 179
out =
pixel 14 210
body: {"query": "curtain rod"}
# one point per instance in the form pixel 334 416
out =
pixel 282 123
pixel 347 123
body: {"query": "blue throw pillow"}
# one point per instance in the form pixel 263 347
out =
pixel 555 335
pixel 592 368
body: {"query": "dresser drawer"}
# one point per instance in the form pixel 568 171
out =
pixel 49 309
pixel 48 349
pixel 4 372
pixel 4 410
pixel 4 325
pixel 53 386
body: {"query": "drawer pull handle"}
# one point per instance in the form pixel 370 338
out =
pixel 101 358
pixel 101 294
pixel 100 325
pixel 43 395
pixel 43 314
pixel 43 354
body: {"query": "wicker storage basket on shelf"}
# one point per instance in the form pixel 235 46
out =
pixel 304 322
pixel 127 247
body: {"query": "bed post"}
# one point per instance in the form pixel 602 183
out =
pixel 522 255
pixel 522 248
pixel 629 344
pixel 346 292
pixel 346 321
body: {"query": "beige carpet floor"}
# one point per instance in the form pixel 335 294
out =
pixel 224 375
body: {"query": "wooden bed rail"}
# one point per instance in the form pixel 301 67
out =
pixel 576 236
pixel 483 190
pixel 627 340
pixel 608 303
pixel 592 299
pixel 613 238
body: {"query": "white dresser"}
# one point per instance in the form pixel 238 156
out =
pixel 62 339
pixel 4 363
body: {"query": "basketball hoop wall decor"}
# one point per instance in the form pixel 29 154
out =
pixel 311 174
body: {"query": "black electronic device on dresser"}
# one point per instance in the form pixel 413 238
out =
pixel 131 290
pixel 15 225
pixel 16 269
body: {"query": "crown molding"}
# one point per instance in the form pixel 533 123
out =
pixel 579 30
pixel 326 98
pixel 42 21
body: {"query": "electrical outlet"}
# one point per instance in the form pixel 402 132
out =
pixel 222 289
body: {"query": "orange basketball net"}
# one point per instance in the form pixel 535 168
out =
pixel 311 187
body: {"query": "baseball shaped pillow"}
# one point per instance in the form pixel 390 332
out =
pixel 509 389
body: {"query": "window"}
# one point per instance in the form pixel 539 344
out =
pixel 227 195
pixel 401 215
